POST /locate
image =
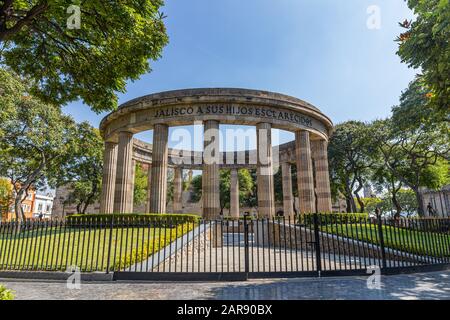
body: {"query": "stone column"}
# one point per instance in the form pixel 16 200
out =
pixel 304 172
pixel 158 187
pixel 149 183
pixel 234 193
pixel 266 196
pixel 288 198
pixel 109 177
pixel 178 190
pixel 211 176
pixel 320 156
pixel 123 195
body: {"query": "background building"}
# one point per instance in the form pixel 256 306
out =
pixel 439 200
pixel 27 206
pixel 43 205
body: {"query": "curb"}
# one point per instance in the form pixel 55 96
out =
pixel 52 275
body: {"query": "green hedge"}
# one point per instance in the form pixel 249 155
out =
pixel 166 219
pixel 6 294
pixel 329 218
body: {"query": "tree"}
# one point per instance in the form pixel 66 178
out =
pixel 413 145
pixel 196 185
pixel 245 188
pixel 414 109
pixel 351 157
pixel 383 179
pixel 251 198
pixel 140 185
pixel 416 157
pixel 408 201
pixel 425 45
pixel 35 141
pixel 371 204
pixel 278 184
pixel 6 197
pixel 83 168
pixel 113 44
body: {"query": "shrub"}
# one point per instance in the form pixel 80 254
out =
pixel 148 248
pixel 131 219
pixel 6 294
pixel 329 218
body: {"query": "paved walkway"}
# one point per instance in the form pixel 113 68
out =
pixel 435 285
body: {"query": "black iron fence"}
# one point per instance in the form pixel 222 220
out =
pixel 255 247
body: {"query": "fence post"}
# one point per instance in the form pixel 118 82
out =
pixel 246 215
pixel 110 244
pixel 317 243
pixel 380 236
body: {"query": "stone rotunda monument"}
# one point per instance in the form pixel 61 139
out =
pixel 212 107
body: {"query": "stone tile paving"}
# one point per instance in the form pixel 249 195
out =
pixel 435 285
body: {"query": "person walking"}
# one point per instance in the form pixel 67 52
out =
pixel 430 210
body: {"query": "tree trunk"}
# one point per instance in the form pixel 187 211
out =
pixel 79 207
pixel 420 209
pixel 351 205
pixel 86 204
pixel 360 202
pixel 397 205
pixel 18 210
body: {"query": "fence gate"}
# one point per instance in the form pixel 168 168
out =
pixel 314 245
pixel 230 250
pixel 177 248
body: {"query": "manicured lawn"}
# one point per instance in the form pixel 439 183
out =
pixel 430 243
pixel 57 248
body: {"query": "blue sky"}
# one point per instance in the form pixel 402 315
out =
pixel 318 50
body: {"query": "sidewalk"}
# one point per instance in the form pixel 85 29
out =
pixel 435 285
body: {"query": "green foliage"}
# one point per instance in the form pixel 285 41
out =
pixel 148 248
pixel 278 184
pixel 408 201
pixel 404 239
pixel 134 217
pixel 196 185
pixel 351 157
pixel 425 45
pixel 83 168
pixel 6 196
pixel 36 139
pixel 413 153
pixel 251 199
pixel 89 250
pixel 327 218
pixel 140 185
pixel 370 204
pixel 246 187
pixel 435 176
pixel 414 109
pixel 6 294
pixel 114 44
